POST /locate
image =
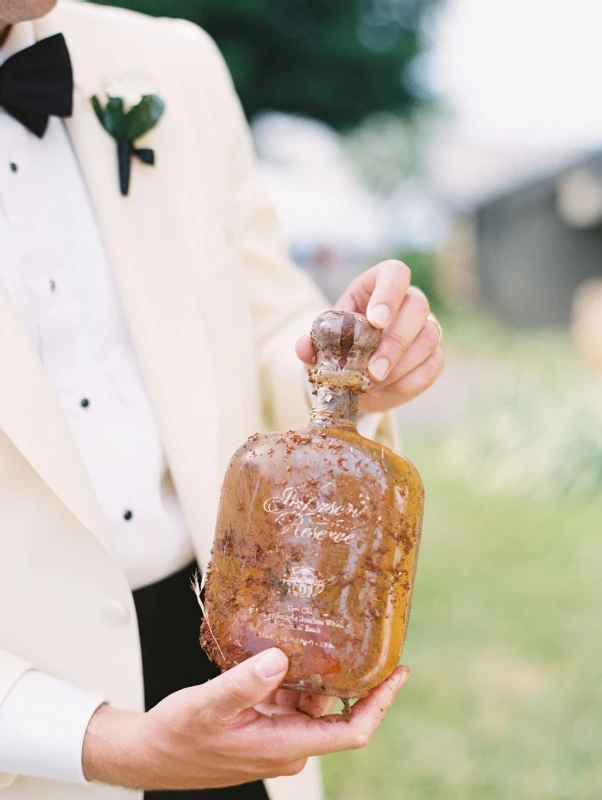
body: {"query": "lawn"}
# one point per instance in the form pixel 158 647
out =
pixel 505 646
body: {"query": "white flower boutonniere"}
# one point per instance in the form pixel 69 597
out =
pixel 127 108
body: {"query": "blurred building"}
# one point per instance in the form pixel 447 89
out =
pixel 524 252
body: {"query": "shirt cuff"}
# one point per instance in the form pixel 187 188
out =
pixel 43 721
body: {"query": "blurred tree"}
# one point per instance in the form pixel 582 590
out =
pixel 335 60
pixel 424 275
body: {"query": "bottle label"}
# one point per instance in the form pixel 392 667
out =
pixel 305 582
pixel 309 517
pixel 306 513
pixel 299 625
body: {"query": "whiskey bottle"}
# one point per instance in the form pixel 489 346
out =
pixel 317 536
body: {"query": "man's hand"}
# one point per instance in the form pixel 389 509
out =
pixel 212 735
pixel 410 357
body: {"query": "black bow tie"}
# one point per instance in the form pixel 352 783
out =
pixel 37 83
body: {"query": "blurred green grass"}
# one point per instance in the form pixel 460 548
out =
pixel 505 644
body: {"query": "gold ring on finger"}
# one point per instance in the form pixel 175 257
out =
pixel 434 319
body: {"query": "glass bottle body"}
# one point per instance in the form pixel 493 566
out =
pixel 315 552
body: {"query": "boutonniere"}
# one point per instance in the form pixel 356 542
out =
pixel 127 108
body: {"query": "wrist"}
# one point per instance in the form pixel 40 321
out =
pixel 111 750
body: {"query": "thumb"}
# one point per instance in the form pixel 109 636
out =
pixel 305 349
pixel 247 684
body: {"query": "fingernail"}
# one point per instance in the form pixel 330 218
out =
pixel 379 315
pixel 270 663
pixel 379 368
pixel 402 677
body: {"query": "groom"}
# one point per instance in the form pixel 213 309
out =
pixel 143 337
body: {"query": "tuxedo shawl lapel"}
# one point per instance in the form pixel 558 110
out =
pixel 143 241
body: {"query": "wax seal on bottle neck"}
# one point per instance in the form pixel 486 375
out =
pixel 344 343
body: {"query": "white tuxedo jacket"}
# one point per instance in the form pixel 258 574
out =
pixel 214 309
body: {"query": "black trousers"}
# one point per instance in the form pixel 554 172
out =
pixel 169 620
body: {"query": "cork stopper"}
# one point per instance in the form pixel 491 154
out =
pixel 344 343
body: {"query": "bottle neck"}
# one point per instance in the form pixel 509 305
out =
pixel 334 407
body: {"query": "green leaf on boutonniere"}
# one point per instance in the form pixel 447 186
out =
pixel 112 117
pixel 132 124
pixel 140 119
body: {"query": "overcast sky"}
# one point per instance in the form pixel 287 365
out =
pixel 523 72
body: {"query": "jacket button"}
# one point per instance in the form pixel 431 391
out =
pixel 116 612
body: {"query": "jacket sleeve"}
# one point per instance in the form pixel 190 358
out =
pixel 12 667
pixel 284 300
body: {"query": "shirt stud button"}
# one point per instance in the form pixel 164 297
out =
pixel 127 515
pixel 116 612
pixel 84 402
pixel 13 166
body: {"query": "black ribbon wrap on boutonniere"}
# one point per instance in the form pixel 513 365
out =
pixel 125 152
pixel 127 126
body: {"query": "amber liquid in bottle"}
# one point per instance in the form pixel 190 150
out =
pixel 317 536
